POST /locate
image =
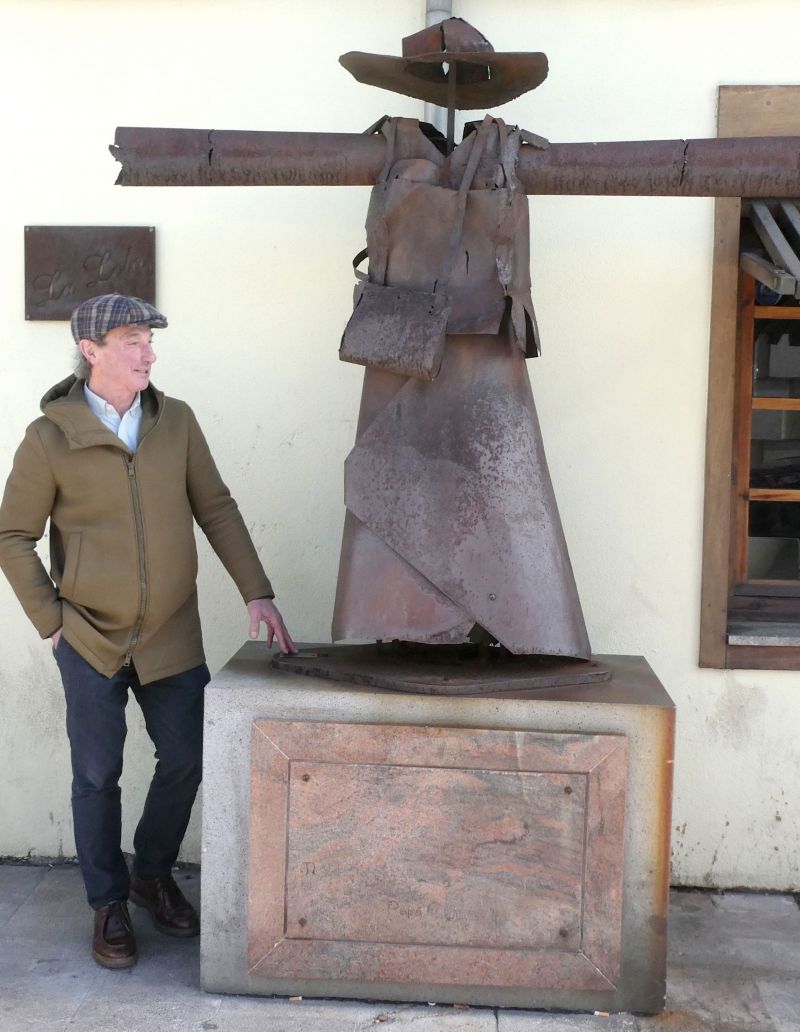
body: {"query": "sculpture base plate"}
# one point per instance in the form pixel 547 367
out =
pixel 441 669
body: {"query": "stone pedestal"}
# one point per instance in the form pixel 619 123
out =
pixel 505 851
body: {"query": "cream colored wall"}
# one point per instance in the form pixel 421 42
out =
pixel 256 283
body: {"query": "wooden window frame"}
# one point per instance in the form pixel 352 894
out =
pixel 742 111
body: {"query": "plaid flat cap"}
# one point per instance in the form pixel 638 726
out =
pixel 98 315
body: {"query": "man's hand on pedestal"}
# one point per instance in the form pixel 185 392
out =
pixel 265 609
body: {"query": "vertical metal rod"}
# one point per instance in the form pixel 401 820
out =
pixel 451 106
pixel 435 12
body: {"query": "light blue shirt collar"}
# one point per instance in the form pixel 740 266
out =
pixel 127 427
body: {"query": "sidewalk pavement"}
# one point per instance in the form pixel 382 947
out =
pixel 734 964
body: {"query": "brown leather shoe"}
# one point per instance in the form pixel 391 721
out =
pixel 113 944
pixel 171 911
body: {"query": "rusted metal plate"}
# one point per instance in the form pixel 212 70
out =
pixel 453 35
pixel 375 589
pixel 441 669
pixel 732 167
pixel 483 81
pixel 170 157
pixel 452 477
pixel 378 594
pixel 65 265
pixel 436 855
pixel 397 330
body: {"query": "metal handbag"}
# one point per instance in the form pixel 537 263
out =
pixel 397 329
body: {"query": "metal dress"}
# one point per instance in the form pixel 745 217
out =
pixel 451 518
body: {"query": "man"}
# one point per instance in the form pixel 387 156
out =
pixel 121 471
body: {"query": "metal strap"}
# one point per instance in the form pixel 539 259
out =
pixel 359 258
pixel 379 259
pixel 478 145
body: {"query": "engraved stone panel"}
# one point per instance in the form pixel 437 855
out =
pixel 424 854
pixel 455 857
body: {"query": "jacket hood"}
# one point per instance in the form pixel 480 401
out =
pixel 65 404
pixel 60 390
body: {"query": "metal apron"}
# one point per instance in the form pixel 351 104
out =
pixel 451 518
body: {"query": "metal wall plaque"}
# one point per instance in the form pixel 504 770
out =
pixel 65 265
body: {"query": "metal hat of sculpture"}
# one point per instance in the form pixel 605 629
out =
pixel 483 77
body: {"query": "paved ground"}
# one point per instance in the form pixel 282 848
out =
pixel 734 965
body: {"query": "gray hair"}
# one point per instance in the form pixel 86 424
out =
pixel 83 370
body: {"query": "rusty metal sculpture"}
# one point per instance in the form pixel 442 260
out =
pixel 452 530
pixel 451 518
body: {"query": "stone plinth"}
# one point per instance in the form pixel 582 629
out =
pixel 505 851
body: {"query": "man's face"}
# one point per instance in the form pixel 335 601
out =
pixel 122 365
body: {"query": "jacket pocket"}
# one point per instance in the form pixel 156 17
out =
pixel 71 560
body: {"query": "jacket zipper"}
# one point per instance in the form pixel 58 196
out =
pixel 137 517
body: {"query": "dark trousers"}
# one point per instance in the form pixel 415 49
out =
pixel 173 715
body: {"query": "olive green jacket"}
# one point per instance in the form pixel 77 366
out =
pixel 122 548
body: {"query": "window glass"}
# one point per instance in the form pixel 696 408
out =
pixel 776 359
pixel 775 449
pixel 773 551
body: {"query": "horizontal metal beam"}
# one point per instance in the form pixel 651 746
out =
pixel 730 167
pixel 753 167
pixel 770 275
pixel 771 235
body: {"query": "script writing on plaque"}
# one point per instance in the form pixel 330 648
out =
pixel 65 265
